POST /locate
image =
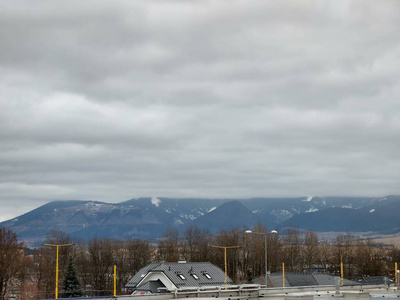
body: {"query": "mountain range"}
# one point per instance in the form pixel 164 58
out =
pixel 148 218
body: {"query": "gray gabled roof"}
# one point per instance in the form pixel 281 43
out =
pixel 191 274
pixel 305 279
pixel 151 286
pixel 373 280
pixel 301 279
pixel 325 279
pixel 139 275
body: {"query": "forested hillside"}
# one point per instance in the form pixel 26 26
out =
pixel 147 218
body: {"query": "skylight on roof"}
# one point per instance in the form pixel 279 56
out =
pixel 181 276
pixel 207 275
pixel 195 276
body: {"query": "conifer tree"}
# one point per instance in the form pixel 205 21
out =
pixel 71 285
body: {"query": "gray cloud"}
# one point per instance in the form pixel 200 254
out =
pixel 110 101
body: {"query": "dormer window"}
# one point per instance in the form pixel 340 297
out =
pixel 195 276
pixel 207 275
pixel 181 276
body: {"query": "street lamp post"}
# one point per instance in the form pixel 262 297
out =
pixel 57 246
pixel 265 234
pixel 341 266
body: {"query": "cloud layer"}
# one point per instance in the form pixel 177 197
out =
pixel 111 101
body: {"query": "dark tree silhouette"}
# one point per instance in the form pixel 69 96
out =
pixel 71 285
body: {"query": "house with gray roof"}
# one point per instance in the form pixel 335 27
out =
pixel 166 277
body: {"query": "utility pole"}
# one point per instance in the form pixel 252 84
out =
pixel 57 246
pixel 341 266
pixel 225 247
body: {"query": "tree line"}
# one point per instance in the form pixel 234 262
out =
pixel 30 273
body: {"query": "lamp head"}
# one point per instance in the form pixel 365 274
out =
pixel 248 231
pixel 274 231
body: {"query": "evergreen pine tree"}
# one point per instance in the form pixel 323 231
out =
pixel 71 285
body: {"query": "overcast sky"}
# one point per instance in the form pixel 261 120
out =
pixel 113 100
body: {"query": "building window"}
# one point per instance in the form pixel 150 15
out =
pixel 181 276
pixel 207 275
pixel 195 276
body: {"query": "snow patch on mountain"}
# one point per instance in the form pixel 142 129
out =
pixel 93 207
pixel 178 222
pixel 155 201
pixel 257 211
pixel 282 213
pixel 211 209
pixel 312 209
pixel 372 210
pixel 309 198
pixel 347 206
pixel 378 200
pixel 187 217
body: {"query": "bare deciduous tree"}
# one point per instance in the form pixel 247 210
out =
pixel 168 246
pixel 11 260
pixel 311 250
pixel 196 244
pixel 229 238
pixel 130 256
pixel 43 270
pixel 292 243
pixel 100 262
